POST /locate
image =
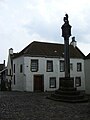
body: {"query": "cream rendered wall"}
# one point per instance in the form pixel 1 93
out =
pixel 87 76
pixel 19 77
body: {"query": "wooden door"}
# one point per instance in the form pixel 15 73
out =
pixel 38 83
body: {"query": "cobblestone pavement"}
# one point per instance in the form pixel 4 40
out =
pixel 35 106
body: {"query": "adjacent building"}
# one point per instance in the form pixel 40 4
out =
pixel 40 65
pixel 87 74
pixel 2 75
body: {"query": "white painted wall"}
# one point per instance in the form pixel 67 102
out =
pixel 87 76
pixel 56 72
pixel 81 74
pixel 25 81
pixel 41 71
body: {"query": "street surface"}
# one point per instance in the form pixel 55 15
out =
pixel 35 106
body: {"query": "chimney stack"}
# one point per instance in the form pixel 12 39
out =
pixel 4 63
pixel 11 51
pixel 73 42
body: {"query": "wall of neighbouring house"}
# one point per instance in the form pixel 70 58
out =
pixel 18 82
pixel 87 76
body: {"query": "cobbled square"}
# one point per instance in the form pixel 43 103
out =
pixel 35 106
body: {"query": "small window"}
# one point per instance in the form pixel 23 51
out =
pixel 14 68
pixel 34 65
pixel 79 67
pixel 21 68
pixel 78 81
pixel 53 82
pixel 49 66
pixel 62 66
pixel 14 79
pixel 71 66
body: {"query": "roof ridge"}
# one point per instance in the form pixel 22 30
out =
pixel 25 49
pixel 47 42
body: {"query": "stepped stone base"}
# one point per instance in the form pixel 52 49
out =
pixel 67 93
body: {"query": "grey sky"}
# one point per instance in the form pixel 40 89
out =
pixel 24 21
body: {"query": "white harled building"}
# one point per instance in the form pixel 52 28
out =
pixel 40 65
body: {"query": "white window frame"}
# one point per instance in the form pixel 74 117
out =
pixel 49 66
pixel 77 81
pixel 79 67
pixel 34 65
pixel 62 66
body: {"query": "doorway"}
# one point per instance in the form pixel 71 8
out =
pixel 38 83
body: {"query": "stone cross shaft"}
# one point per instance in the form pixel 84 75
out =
pixel 66 33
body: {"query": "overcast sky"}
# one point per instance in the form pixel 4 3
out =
pixel 24 21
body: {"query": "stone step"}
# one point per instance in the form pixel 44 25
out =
pixel 85 99
pixel 61 92
pixel 68 88
pixel 68 97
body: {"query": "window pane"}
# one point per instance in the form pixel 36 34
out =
pixel 79 67
pixel 78 81
pixel 52 82
pixel 34 65
pixel 49 66
pixel 14 79
pixel 71 66
pixel 21 68
pixel 62 66
pixel 14 68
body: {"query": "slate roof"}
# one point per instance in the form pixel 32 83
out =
pixel 88 56
pixel 1 67
pixel 43 49
pixel 5 69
